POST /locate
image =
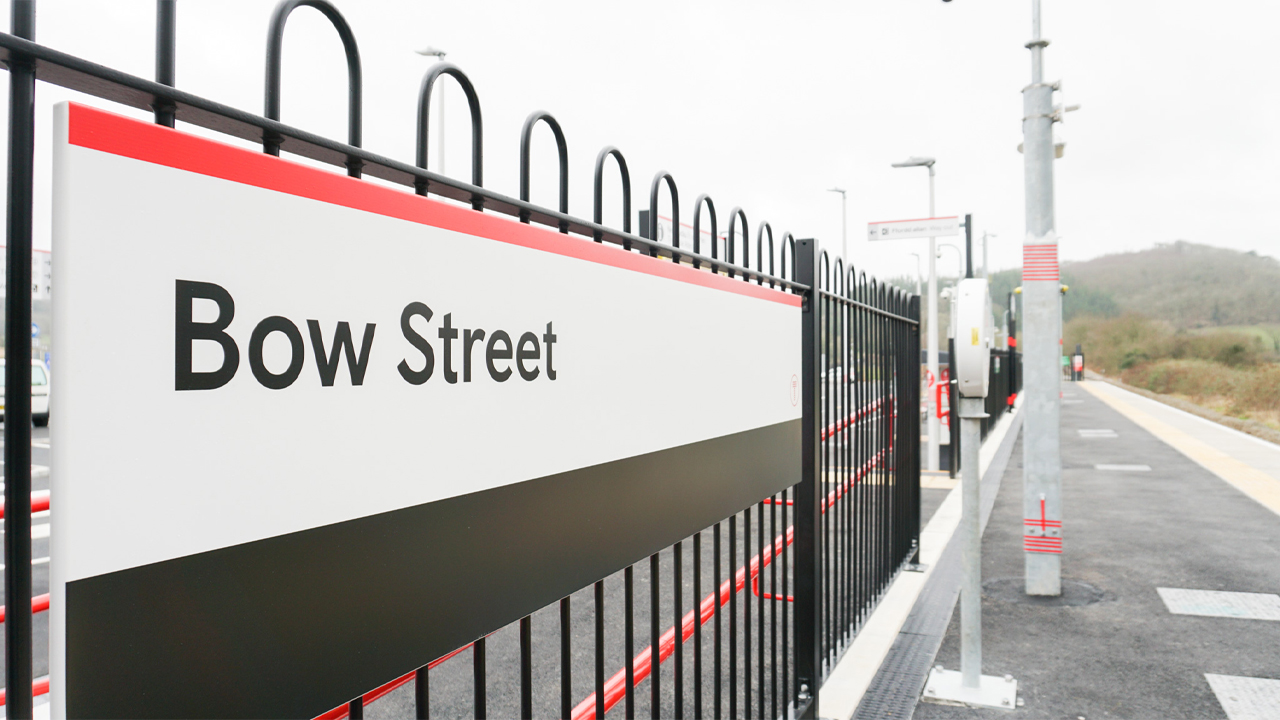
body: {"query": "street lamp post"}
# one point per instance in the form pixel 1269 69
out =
pixel 931 340
pixel 438 54
pixel 986 274
pixel 917 257
pixel 844 226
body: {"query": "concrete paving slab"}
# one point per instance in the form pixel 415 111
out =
pixel 1246 698
pixel 1216 603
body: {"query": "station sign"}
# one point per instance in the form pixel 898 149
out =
pixel 330 430
pixel 907 229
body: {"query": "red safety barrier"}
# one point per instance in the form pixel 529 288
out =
pixel 840 426
pixel 341 712
pixel 39 502
pixel 38 688
pixel 39 603
pixel 615 687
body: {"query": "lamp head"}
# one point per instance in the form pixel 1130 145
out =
pixel 914 161
pixel 431 52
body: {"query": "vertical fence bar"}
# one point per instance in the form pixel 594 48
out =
pixel 166 58
pixel 600 649
pixel 773 606
pixel 655 630
pixel 677 652
pixel 422 693
pixel 355 709
pixel 697 625
pixel 733 616
pixel 629 631
pixel 786 606
pixel 715 553
pixel 807 497
pixel 566 676
pixel 478 677
pixel 746 613
pixel 760 636
pixel 526 668
pixel 17 346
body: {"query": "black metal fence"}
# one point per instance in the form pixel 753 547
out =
pixel 743 618
pixel 870 447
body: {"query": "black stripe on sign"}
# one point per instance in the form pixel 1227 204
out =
pixel 295 625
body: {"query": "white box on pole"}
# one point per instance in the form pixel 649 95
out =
pixel 974 336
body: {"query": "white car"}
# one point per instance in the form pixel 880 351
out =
pixel 39 393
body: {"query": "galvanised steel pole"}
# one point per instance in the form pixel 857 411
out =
pixel 1041 298
pixel 17 372
pixel 972 411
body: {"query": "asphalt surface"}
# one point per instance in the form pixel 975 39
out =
pixel 39 551
pixel 1121 653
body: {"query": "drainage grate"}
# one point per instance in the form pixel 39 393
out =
pixel 1215 603
pixel 1246 698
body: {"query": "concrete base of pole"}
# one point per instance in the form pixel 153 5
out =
pixel 945 687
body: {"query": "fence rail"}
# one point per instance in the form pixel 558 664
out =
pixel 744 617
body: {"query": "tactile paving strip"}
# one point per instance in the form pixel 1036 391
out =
pixel 1246 698
pixel 1216 603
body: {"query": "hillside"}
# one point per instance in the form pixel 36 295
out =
pixel 1182 283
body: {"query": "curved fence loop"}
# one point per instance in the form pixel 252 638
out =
pixel 760 234
pixel 734 215
pixel 837 286
pixel 477 126
pixel 788 243
pixel 697 228
pixel 824 271
pixel 850 282
pixel 275 49
pixel 526 139
pixel 598 213
pixel 653 212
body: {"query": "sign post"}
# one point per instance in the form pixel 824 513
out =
pixel 931 228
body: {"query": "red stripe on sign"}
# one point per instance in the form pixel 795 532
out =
pixel 1040 262
pixel 110 133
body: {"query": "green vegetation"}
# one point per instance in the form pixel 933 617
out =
pixel 1228 370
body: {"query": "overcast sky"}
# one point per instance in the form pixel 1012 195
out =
pixel 765 105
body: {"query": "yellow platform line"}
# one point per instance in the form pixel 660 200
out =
pixel 1258 485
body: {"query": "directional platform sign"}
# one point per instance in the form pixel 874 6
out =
pixel 379 425
pixel 907 229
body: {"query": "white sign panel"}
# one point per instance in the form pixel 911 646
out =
pixel 907 229
pixel 317 402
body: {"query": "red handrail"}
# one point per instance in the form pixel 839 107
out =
pixel 39 687
pixel 841 425
pixel 39 502
pixel 39 603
